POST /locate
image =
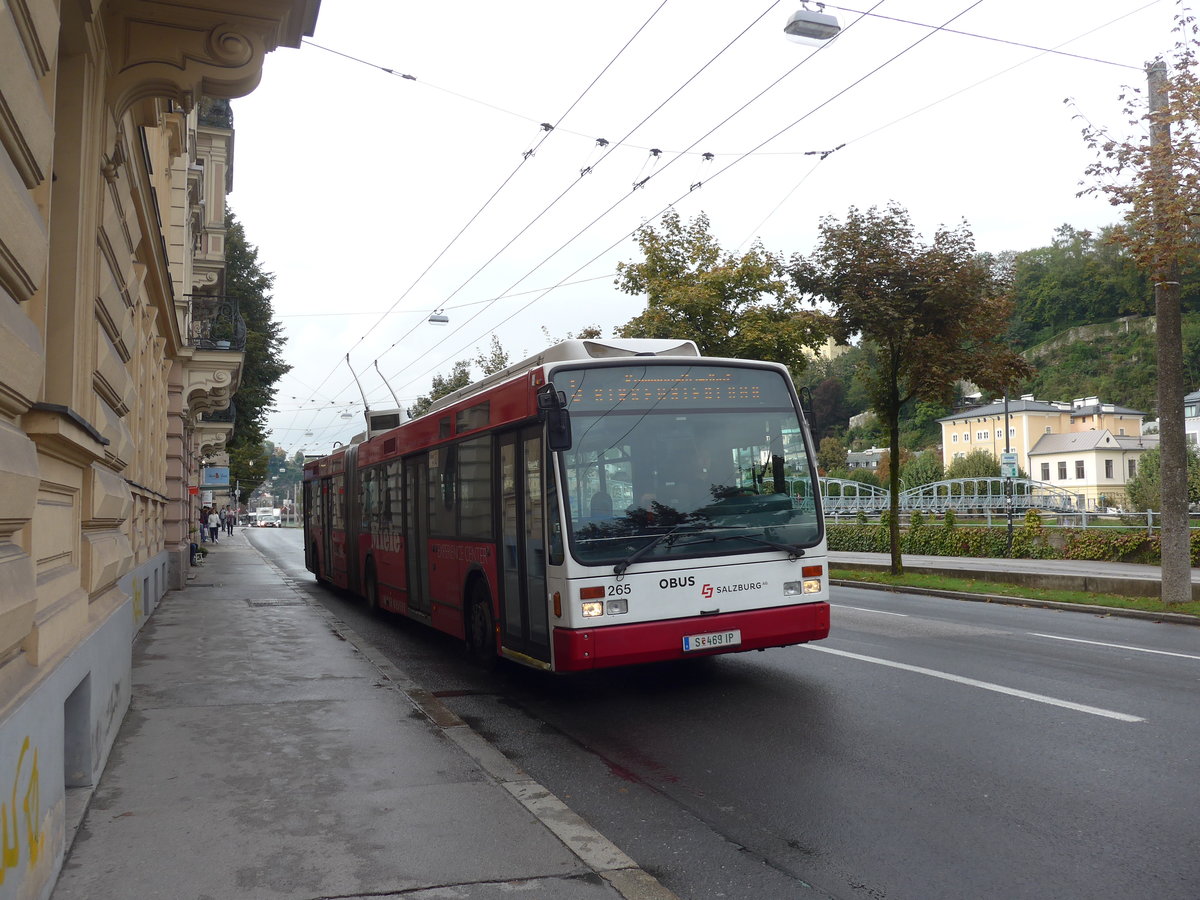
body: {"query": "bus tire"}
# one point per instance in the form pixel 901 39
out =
pixel 481 626
pixel 316 561
pixel 371 588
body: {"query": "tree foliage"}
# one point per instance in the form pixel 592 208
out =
pixel 928 314
pixel 976 464
pixel 831 455
pixel 921 469
pixel 489 361
pixel 262 366
pixel 1144 490
pixel 741 307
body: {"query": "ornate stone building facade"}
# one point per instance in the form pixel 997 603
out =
pixel 119 352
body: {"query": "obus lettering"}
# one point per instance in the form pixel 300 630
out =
pixel 681 582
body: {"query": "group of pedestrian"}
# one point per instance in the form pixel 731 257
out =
pixel 214 521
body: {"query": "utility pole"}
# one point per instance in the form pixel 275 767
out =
pixel 1174 534
pixel 1008 480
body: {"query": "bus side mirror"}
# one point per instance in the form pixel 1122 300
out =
pixel 552 409
pixel 806 404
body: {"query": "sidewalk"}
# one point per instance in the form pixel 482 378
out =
pixel 269 753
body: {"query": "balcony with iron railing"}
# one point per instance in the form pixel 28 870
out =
pixel 214 323
pixel 226 416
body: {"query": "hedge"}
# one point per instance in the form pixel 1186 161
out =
pixel 1030 541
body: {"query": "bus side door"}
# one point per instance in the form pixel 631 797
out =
pixel 416 532
pixel 523 604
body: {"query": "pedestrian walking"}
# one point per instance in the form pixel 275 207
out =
pixel 214 525
pixel 203 524
pixel 230 519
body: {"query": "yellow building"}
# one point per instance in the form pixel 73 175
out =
pixel 112 196
pixel 1040 431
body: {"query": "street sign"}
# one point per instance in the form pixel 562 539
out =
pixel 1008 465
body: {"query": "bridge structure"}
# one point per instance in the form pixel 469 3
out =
pixel 840 495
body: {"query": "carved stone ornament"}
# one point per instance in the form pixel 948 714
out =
pixel 166 48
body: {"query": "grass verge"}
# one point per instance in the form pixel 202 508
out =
pixel 973 586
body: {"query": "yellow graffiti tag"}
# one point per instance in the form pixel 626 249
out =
pixel 10 851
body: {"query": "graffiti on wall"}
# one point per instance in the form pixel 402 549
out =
pixel 28 813
pixel 106 722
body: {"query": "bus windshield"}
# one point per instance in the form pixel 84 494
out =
pixel 676 461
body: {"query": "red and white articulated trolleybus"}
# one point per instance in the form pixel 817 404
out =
pixel 604 503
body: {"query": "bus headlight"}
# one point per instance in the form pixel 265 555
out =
pixel 807 586
pixel 593 608
pixel 618 607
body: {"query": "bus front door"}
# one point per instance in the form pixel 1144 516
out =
pixel 523 604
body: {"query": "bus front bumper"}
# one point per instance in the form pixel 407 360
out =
pixel 576 650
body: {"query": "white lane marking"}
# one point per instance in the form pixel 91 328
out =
pixel 985 685
pixel 1055 637
pixel 863 609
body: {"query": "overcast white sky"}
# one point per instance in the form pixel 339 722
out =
pixel 354 182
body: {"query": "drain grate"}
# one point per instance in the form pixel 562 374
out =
pixel 275 602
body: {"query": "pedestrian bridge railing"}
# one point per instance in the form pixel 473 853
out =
pixel 841 495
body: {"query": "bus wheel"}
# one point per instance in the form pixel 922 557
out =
pixel 481 628
pixel 371 588
pixel 316 564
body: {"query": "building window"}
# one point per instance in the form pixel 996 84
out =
pixel 1132 468
pixel 1108 468
pixel 1047 429
pixel 1012 432
pixel 1062 471
pixel 966 436
pixel 1045 471
pixel 1079 469
pixel 999 433
pixel 1121 431
pixel 954 438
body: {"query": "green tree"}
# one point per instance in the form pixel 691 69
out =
pixel 831 455
pixel 1155 176
pixel 976 464
pixel 459 377
pixel 929 314
pixel 922 468
pixel 1144 490
pixel 489 361
pixel 262 366
pixel 862 476
pixel 732 306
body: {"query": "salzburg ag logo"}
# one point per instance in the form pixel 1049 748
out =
pixel 707 591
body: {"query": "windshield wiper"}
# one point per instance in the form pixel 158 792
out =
pixel 668 537
pixel 794 551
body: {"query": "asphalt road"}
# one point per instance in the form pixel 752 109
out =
pixel 928 749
